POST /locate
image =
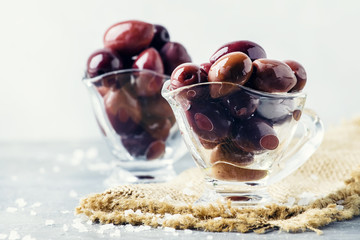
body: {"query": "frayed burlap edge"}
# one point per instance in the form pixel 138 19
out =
pixel 222 217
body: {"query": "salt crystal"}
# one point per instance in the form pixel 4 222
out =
pixel 340 202
pixel 60 157
pixel 188 231
pixel 33 213
pixel 340 207
pixel 49 222
pixel 105 227
pixel 92 153
pixel 209 237
pixel 14 178
pixel 77 157
pixel 306 198
pixel 73 194
pixel 188 191
pixel 169 229
pixel 314 177
pixel 65 211
pixel 65 228
pixel 142 228
pixel 56 169
pixel 129 228
pixel 138 212
pixel 78 225
pixel 11 209
pixel 42 170
pixel 128 212
pixel 176 234
pixel 217 218
pixel 116 233
pixel 20 202
pixel 28 237
pixel 14 235
pixel 3 236
pixel 37 204
pixel 290 202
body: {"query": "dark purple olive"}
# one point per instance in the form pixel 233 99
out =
pixel 155 150
pixel 205 67
pixel 173 54
pixel 253 50
pixel 129 37
pixel 121 105
pixel 255 135
pixel 161 37
pixel 208 120
pixel 103 61
pixel 138 143
pixel 158 128
pixel 149 59
pixel 272 76
pixel 208 144
pixel 234 68
pixel 300 75
pixel 186 74
pixel 276 110
pixel 229 172
pixel 228 152
pixel 241 104
pixel 156 107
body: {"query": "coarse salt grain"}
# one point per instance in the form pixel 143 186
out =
pixel 14 178
pixel 65 211
pixel 91 153
pixel 28 237
pixel 3 236
pixel 188 192
pixel 79 226
pixel 14 235
pixel 65 228
pixel 169 229
pixel 290 202
pixel 129 228
pixel 49 222
pixel 20 202
pixel 33 213
pixel 73 194
pixel 42 170
pixel 116 233
pixel 176 234
pixel 56 169
pixel 37 204
pixel 340 207
pixel 141 228
pixel 11 209
pixel 105 227
pixel 209 237
pixel 77 157
pixel 188 231
pixel 217 218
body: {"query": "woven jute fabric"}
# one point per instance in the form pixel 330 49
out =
pixel 325 189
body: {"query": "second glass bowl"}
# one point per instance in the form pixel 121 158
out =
pixel 136 121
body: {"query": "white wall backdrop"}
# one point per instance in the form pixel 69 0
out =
pixel 44 46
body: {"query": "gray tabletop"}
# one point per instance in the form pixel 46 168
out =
pixel 41 184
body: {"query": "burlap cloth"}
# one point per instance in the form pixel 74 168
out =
pixel 325 189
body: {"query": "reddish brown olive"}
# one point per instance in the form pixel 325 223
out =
pixel 228 152
pixel 272 76
pixel 129 37
pixel 300 75
pixel 227 172
pixel 173 54
pixel 186 74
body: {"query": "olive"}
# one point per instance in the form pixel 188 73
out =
pixel 173 54
pixel 300 75
pixel 228 172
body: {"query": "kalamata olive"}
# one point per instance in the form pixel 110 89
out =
pixel 149 59
pixel 103 61
pixel 228 152
pixel 241 104
pixel 129 37
pixel 102 90
pixel 300 75
pixel 205 67
pixel 138 142
pixel 253 50
pixel 186 74
pixel 255 135
pixel 208 120
pixel 173 54
pixel 156 107
pixel 161 37
pixel 158 128
pixel 208 144
pixel 234 67
pixel 272 76
pixel 120 100
pixel 276 110
pixel 227 172
pixel 155 150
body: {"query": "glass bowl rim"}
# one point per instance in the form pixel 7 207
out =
pixel 122 71
pixel 166 92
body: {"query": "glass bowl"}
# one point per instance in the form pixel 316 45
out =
pixel 136 121
pixel 244 139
